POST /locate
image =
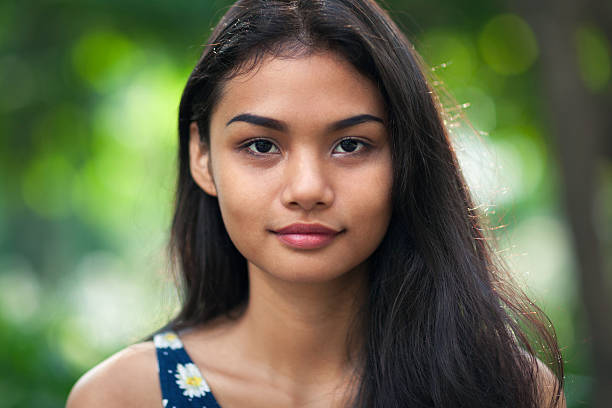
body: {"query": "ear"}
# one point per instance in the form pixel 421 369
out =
pixel 199 161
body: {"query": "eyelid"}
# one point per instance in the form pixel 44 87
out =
pixel 244 146
pixel 366 145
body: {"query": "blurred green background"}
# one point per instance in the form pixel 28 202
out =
pixel 89 92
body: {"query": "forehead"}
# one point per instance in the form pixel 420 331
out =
pixel 318 86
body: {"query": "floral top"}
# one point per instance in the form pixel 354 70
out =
pixel 182 384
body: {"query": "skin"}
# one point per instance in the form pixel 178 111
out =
pixel 301 301
pixel 289 348
pixel 306 177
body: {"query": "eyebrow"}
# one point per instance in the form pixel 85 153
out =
pixel 275 124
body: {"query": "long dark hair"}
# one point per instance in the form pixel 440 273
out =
pixel 443 325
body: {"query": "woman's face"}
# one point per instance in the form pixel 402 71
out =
pixel 299 160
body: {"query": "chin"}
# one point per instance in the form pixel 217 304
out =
pixel 309 273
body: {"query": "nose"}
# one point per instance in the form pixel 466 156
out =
pixel 306 184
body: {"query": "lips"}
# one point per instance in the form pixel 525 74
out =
pixel 306 236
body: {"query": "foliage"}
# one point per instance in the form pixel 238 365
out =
pixel 87 118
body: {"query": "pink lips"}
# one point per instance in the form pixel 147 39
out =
pixel 306 236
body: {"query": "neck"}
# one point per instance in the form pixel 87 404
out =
pixel 304 331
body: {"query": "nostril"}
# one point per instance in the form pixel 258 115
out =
pixel 306 185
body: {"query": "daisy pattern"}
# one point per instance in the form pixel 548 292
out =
pixel 165 340
pixel 188 377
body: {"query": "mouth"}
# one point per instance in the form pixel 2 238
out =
pixel 306 236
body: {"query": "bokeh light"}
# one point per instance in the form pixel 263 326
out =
pixel 88 108
pixel 508 45
pixel 593 50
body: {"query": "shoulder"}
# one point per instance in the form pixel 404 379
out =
pixel 548 387
pixel 128 378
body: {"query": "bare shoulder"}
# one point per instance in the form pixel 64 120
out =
pixel 548 386
pixel 128 378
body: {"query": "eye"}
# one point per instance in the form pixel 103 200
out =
pixel 261 146
pixel 349 146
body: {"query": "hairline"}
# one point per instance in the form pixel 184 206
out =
pixel 288 49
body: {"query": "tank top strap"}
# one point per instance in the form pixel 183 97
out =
pixel 182 383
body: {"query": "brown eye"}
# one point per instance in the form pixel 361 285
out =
pixel 262 146
pixel 349 146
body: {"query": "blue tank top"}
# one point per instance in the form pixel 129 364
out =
pixel 182 384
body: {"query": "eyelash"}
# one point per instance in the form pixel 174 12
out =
pixel 246 146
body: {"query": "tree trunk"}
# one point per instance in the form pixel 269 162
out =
pixel 580 125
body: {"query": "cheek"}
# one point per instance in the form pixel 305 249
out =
pixel 239 217
pixel 243 200
pixel 367 203
pixel 371 211
pixel 370 190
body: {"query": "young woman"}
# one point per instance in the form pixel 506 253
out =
pixel 329 251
